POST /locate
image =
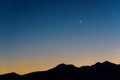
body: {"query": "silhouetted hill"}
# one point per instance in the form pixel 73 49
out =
pixel 98 71
pixel 10 76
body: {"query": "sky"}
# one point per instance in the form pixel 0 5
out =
pixel 36 35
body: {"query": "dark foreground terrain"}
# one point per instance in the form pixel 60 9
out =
pixel 98 71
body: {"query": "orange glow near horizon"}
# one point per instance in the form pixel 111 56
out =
pixel 31 63
pixel 32 67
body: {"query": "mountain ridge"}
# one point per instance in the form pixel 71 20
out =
pixel 98 71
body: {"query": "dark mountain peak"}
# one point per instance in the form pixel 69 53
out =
pixel 104 67
pixel 10 76
pixel 107 62
pixel 98 63
pixel 12 73
pixel 63 67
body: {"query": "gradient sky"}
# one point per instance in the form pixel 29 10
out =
pixel 36 35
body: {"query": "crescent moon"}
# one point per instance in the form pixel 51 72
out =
pixel 80 21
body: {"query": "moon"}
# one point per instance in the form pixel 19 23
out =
pixel 80 21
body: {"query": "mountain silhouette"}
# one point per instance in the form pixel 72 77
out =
pixel 10 76
pixel 98 71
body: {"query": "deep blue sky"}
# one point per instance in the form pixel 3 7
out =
pixel 44 33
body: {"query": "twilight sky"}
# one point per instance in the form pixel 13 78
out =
pixel 37 35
